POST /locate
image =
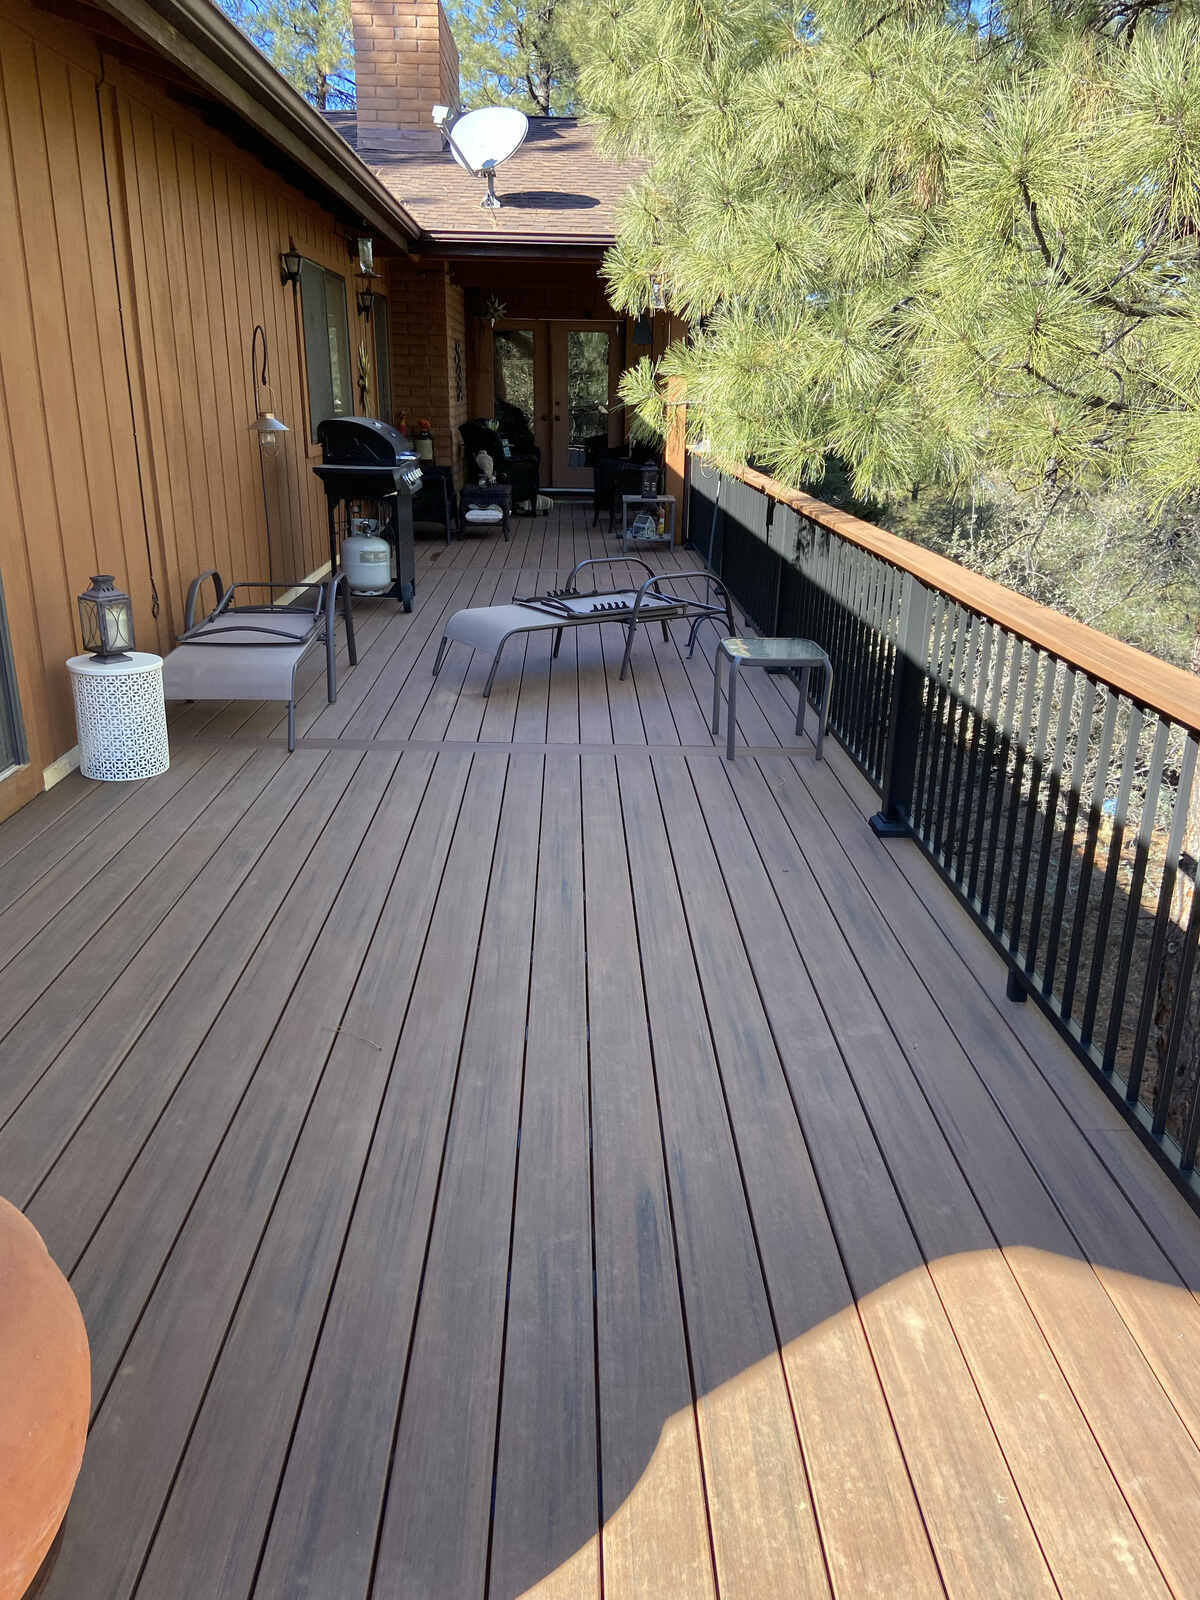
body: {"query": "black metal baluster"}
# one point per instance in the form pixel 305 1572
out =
pixel 1133 906
pixel 971 807
pixel 1087 862
pixel 1050 814
pixel 962 743
pixel 1022 684
pixel 1112 866
pixel 885 659
pixel 1049 680
pixel 942 711
pixel 943 640
pixel 1158 939
pixel 860 600
pixel 1178 1026
pixel 863 640
pixel 989 796
pixel 967 633
pixel 1083 745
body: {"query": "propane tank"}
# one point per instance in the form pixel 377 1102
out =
pixel 367 563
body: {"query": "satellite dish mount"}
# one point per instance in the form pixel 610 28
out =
pixel 482 140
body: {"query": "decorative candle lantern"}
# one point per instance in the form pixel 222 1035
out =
pixel 106 620
pixel 268 428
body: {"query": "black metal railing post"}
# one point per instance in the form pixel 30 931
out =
pixel 906 713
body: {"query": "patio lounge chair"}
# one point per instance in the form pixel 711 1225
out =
pixel 251 652
pixel 491 627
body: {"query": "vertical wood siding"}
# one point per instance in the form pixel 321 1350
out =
pixel 138 249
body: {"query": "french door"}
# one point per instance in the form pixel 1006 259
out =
pixel 561 377
pixel 584 368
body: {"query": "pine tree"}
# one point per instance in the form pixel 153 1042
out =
pixel 515 54
pixel 927 240
pixel 311 42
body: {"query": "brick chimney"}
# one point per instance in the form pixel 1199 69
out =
pixel 405 62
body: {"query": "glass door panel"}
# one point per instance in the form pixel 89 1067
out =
pixel 514 371
pixel 584 389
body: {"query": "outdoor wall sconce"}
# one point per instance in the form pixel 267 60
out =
pixel 106 620
pixel 289 265
pixel 366 300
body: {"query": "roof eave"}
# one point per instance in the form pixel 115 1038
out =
pixel 441 242
pixel 214 51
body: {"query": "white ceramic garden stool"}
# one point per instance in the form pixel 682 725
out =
pixel 121 716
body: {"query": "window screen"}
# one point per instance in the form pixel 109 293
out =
pixel 326 344
pixel 12 737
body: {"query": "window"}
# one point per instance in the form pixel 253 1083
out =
pixel 383 359
pixel 326 344
pixel 12 737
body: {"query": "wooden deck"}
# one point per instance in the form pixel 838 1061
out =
pixel 505 1150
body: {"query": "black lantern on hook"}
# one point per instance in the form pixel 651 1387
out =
pixel 289 265
pixel 366 302
pixel 266 424
pixel 106 619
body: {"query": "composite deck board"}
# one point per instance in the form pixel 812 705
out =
pixel 177 975
pixel 760 1510
pixel 872 1532
pixel 335 1482
pixel 250 960
pixel 654 1528
pixel 546 1512
pixel 504 1149
pixel 436 1526
pixel 41 834
pixel 67 970
pixel 39 883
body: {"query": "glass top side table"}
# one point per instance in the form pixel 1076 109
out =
pixel 801 655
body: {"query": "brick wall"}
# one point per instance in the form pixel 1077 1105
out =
pixel 406 61
pixel 428 313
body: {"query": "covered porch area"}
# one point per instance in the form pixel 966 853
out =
pixel 505 1149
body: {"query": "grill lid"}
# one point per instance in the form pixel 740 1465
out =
pixel 363 442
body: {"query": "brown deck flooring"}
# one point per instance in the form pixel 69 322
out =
pixel 502 1149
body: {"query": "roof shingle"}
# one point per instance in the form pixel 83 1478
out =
pixel 556 189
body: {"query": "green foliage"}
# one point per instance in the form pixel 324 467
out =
pixel 515 54
pixel 932 242
pixel 311 42
pixel 1096 556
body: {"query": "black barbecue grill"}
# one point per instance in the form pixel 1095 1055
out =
pixel 368 461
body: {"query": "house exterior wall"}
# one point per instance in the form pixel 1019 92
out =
pixel 138 249
pixel 428 314
pixel 406 62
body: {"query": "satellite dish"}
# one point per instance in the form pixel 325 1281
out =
pixel 482 139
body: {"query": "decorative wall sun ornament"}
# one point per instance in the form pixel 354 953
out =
pixel 494 309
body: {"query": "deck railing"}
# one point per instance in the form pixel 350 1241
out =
pixel 1048 770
